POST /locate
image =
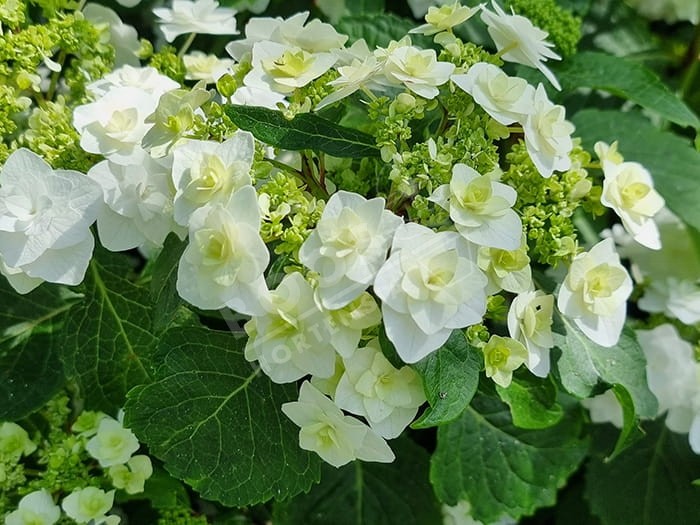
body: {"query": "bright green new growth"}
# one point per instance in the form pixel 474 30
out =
pixel 563 27
pixel 167 62
pixel 546 206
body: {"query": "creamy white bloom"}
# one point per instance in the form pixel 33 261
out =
pixel 481 208
pixel 530 322
pixel 45 218
pixel 594 293
pixel 506 99
pixel 506 269
pixel 348 246
pixel 36 508
pixel 200 66
pixel 352 77
pixel 19 280
pixel 122 36
pixel 131 476
pixel 676 298
pixel 608 152
pixel 605 408
pixel 629 190
pixel 139 203
pixel 292 338
pixel 224 261
pixel 417 69
pixel 113 444
pixel 284 68
pixel 115 124
pixel 88 504
pixel 337 438
pixel 427 292
pixel 14 442
pixel 147 79
pixel 445 17
pixel 261 97
pixel 548 135
pixel 519 41
pixel 199 16
pixel 386 396
pixel 347 323
pixel 208 172
pixel 502 356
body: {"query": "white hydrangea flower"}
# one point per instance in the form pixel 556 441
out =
pixel 122 36
pixel 371 387
pixel 14 442
pixel 445 17
pixel 506 99
pixel 428 292
pixel 481 208
pixel 605 408
pixel 594 293
pixel 417 69
pixel 147 79
pixel 88 504
pixel 629 190
pixel 19 280
pixel 115 124
pixel 208 172
pixel 113 444
pixel 348 246
pixel 198 16
pixel 608 152
pixel 460 514
pixel 284 68
pixel 507 270
pixel 45 218
pixel 352 77
pixel 337 438
pixel 673 375
pixel 131 476
pixel 261 97
pixel 519 40
pixel 347 323
pixel 676 298
pixel 36 508
pixel 548 135
pixel 292 339
pixel 502 356
pixel 200 66
pixel 530 322
pixel 224 261
pixel 139 204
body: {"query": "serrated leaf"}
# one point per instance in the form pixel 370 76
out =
pixel 109 343
pixel 450 379
pixel 533 402
pixel 625 79
pixel 379 30
pixel 304 131
pixel 631 431
pixel 499 468
pixel 31 372
pixel 215 421
pixel 650 483
pixel 672 160
pixel 396 493
pixel 584 363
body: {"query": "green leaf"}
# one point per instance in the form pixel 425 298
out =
pixel 583 363
pixel 109 341
pixel 625 79
pixel 304 131
pixel 215 421
pixel 649 483
pixel 378 30
pixel 631 431
pixel 31 372
pixel 168 306
pixel 450 378
pixel 499 468
pixel 396 493
pixel 672 161
pixel 533 402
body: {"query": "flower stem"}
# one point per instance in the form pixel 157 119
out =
pixel 186 45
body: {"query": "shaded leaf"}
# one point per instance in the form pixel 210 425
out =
pixel 304 131
pixel 215 421
pixel 450 378
pixel 533 402
pixel 379 30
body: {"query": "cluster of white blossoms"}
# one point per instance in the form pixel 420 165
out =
pixel 362 268
pixel 107 441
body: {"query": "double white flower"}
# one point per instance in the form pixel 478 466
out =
pixel 348 246
pixel 200 16
pixel 429 291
